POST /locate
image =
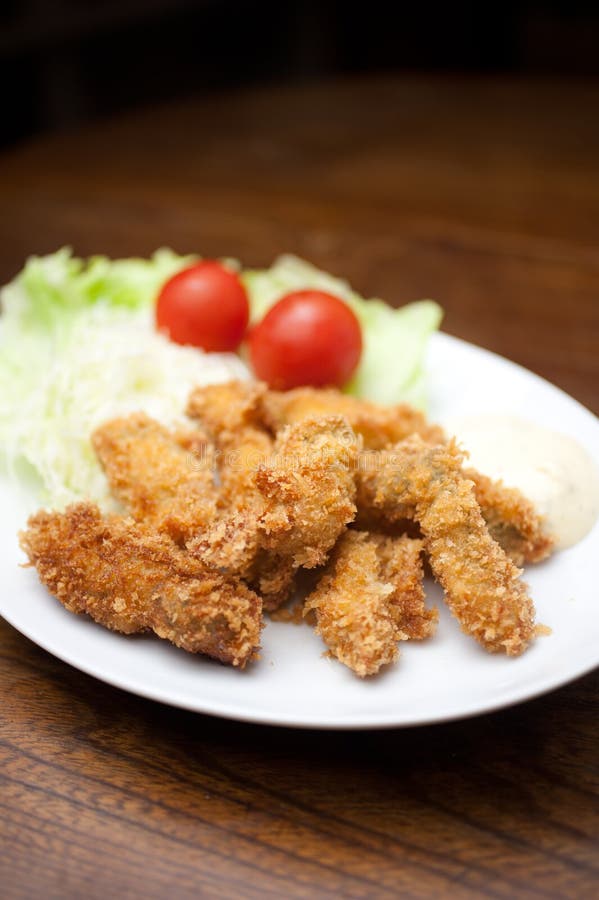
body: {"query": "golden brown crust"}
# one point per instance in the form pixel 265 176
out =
pixel 481 583
pixel 379 426
pixel 510 516
pixel 372 515
pixel 132 579
pixel 232 415
pixel 273 578
pixel 303 498
pixel 308 489
pixel 351 606
pixel 371 596
pixel 511 519
pixel 401 566
pixel 162 478
pixel 226 409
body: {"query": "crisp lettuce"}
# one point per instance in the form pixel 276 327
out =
pixel 52 288
pixel 290 273
pixel 392 366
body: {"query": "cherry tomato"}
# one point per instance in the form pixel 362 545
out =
pixel 205 305
pixel 306 338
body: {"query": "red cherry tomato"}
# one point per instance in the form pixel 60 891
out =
pixel 307 338
pixel 205 305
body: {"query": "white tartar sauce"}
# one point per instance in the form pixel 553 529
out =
pixel 556 474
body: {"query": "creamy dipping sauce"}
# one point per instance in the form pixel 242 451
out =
pixel 556 474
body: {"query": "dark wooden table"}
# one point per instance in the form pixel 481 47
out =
pixel 484 195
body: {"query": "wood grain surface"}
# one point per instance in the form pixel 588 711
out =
pixel 482 194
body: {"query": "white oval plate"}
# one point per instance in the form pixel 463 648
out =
pixel 293 684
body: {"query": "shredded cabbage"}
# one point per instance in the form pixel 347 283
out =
pixel 392 366
pixel 76 350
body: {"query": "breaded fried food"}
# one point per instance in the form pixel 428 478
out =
pixel 482 585
pixel 351 603
pixel 226 409
pixel 132 579
pixel 510 517
pixel 303 498
pixel 371 596
pixel 162 478
pixel 308 489
pixel 379 426
pixel 401 566
pixel 273 577
pixel 233 545
pixel 371 515
pixel 232 415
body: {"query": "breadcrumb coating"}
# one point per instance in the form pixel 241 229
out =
pixel 232 415
pixel 371 596
pixel 273 578
pixel 308 489
pixel 351 603
pixel 303 500
pixel 378 425
pixel 511 519
pixel 226 409
pixel 162 478
pixel 132 579
pixel 481 584
pixel 509 515
pixel 400 560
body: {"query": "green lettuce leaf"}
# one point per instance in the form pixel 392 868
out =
pixel 52 288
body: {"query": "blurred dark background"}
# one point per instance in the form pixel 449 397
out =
pixel 64 62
